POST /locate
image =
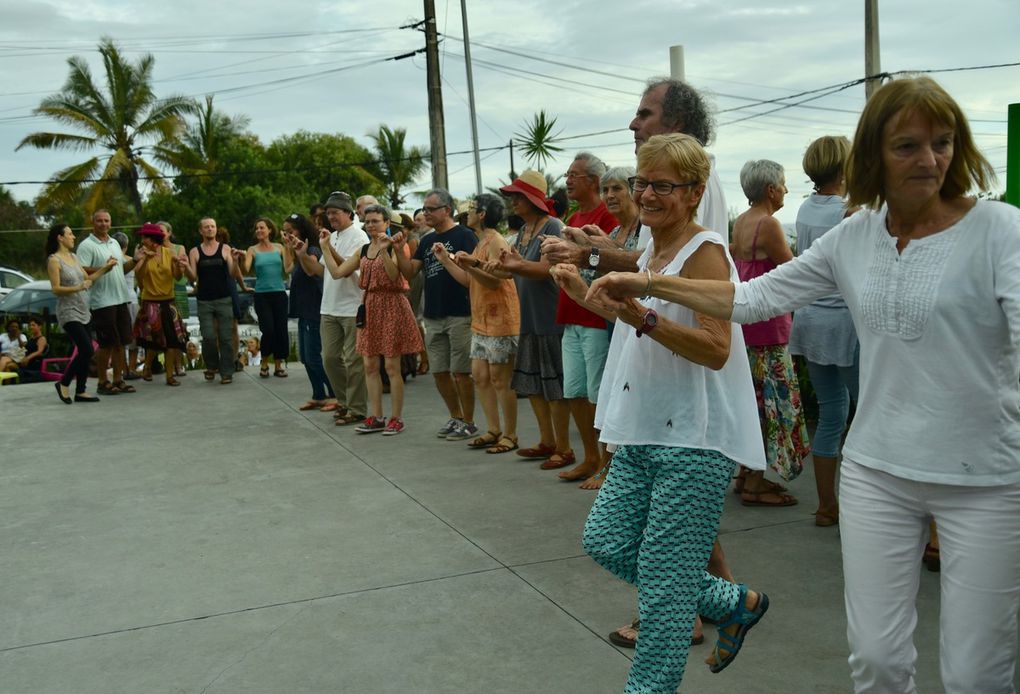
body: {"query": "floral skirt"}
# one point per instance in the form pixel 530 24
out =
pixel 779 409
pixel 158 326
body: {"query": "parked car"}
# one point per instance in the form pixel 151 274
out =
pixel 11 279
pixel 34 297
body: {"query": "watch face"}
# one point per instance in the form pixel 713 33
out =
pixel 651 320
pixel 593 259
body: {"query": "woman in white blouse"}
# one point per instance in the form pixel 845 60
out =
pixel 932 279
pixel 678 402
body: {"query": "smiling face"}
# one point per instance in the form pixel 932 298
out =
pixel 253 345
pixel 261 231
pixel 665 211
pixel 916 154
pixel 375 224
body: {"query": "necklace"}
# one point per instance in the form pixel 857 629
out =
pixel 526 241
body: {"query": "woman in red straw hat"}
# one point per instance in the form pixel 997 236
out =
pixel 158 326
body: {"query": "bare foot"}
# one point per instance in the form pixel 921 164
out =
pixel 698 634
pixel 719 653
pixel 581 471
pixel 592 483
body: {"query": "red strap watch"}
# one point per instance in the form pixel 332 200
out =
pixel 648 323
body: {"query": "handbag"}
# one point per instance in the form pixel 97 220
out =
pixel 359 317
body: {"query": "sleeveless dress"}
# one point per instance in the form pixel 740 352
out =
pixel 776 387
pixel 390 326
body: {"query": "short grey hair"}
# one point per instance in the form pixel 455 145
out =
pixel 368 199
pixel 684 110
pixel 444 197
pixel 593 166
pixel 619 173
pixel 757 175
pixel 121 238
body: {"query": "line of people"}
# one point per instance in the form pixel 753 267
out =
pixel 625 320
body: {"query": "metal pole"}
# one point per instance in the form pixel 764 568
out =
pixel 676 62
pixel 872 53
pixel 513 174
pixel 471 98
pixel 437 133
pixel 1013 155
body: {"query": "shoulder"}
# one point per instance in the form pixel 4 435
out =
pixel 552 227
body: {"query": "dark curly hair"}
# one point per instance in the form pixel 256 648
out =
pixel 684 109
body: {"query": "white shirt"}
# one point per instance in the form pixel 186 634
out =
pixel 939 326
pixel 712 213
pixel 342 297
pixel 651 396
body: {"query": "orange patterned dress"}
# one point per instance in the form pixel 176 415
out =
pixel 390 328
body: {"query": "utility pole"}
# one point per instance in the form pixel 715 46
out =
pixel 437 133
pixel 872 56
pixel 471 98
pixel 676 62
pixel 1013 155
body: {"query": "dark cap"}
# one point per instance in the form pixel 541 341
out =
pixel 340 200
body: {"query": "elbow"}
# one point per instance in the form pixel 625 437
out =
pixel 717 357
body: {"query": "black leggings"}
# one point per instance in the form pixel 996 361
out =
pixel 272 310
pixel 79 366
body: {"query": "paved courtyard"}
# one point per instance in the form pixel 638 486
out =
pixel 215 539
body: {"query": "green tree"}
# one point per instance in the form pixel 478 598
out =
pixel 120 117
pixel 398 164
pixel 537 140
pixel 199 148
pixel 317 163
pixel 22 249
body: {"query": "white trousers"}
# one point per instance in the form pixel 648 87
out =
pixel 884 525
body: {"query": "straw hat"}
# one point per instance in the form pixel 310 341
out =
pixel 532 185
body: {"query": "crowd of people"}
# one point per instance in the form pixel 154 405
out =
pixel 666 340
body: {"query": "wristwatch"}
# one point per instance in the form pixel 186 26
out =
pixel 648 323
pixel 593 258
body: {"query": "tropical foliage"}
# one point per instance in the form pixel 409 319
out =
pixel 121 117
pixel 398 164
pixel 537 140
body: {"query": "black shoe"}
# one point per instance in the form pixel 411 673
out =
pixel 60 394
pixel 85 398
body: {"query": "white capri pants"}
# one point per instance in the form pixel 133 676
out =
pixel 884 525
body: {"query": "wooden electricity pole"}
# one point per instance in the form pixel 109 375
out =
pixel 872 56
pixel 437 132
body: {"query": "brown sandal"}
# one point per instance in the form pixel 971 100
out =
pixel 172 381
pixel 565 459
pixel 124 387
pixel 504 445
pixel 346 419
pixel 539 451
pixel 489 438
pixel 755 498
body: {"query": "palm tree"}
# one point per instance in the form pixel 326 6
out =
pixel 199 148
pixel 118 118
pixel 398 165
pixel 537 140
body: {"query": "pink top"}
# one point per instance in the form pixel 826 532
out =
pixel 775 331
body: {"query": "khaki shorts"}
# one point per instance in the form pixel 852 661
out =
pixel 448 343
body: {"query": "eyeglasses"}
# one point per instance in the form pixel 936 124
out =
pixel 430 210
pixel 660 188
pixel 571 175
pixel 376 221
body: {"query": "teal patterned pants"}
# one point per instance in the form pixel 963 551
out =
pixel 653 524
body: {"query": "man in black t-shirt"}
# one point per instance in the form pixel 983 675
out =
pixel 447 314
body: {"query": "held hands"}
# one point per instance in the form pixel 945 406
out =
pixel 614 291
pixel 464 259
pixel 568 278
pixel 578 236
pixel 398 240
pixel 86 284
pixel 558 250
pixel 509 260
pixel 439 250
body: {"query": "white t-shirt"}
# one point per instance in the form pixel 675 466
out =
pixel 712 213
pixel 939 326
pixel 651 396
pixel 342 297
pixel 7 344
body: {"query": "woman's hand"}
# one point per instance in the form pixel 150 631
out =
pixel 323 235
pixel 439 250
pixel 578 236
pixel 398 240
pixel 510 260
pixel 465 259
pixel 632 313
pixel 86 284
pixel 568 278
pixel 300 246
pixel 611 291
pixel 111 262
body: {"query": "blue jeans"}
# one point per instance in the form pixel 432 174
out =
pixel 310 354
pixel 834 387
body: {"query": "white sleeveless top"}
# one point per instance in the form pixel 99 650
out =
pixel 650 396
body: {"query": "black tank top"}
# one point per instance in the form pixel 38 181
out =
pixel 213 278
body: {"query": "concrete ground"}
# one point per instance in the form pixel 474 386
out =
pixel 215 539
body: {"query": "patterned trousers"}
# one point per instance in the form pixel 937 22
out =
pixel 653 524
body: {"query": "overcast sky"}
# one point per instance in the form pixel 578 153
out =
pixel 583 62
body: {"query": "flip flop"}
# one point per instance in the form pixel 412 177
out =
pixel 755 499
pixel 311 405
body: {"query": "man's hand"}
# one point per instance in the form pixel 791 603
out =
pixel 568 278
pixel 558 250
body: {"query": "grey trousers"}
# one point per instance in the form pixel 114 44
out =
pixel 343 364
pixel 217 342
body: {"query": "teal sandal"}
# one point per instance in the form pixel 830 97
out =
pixel 746 619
